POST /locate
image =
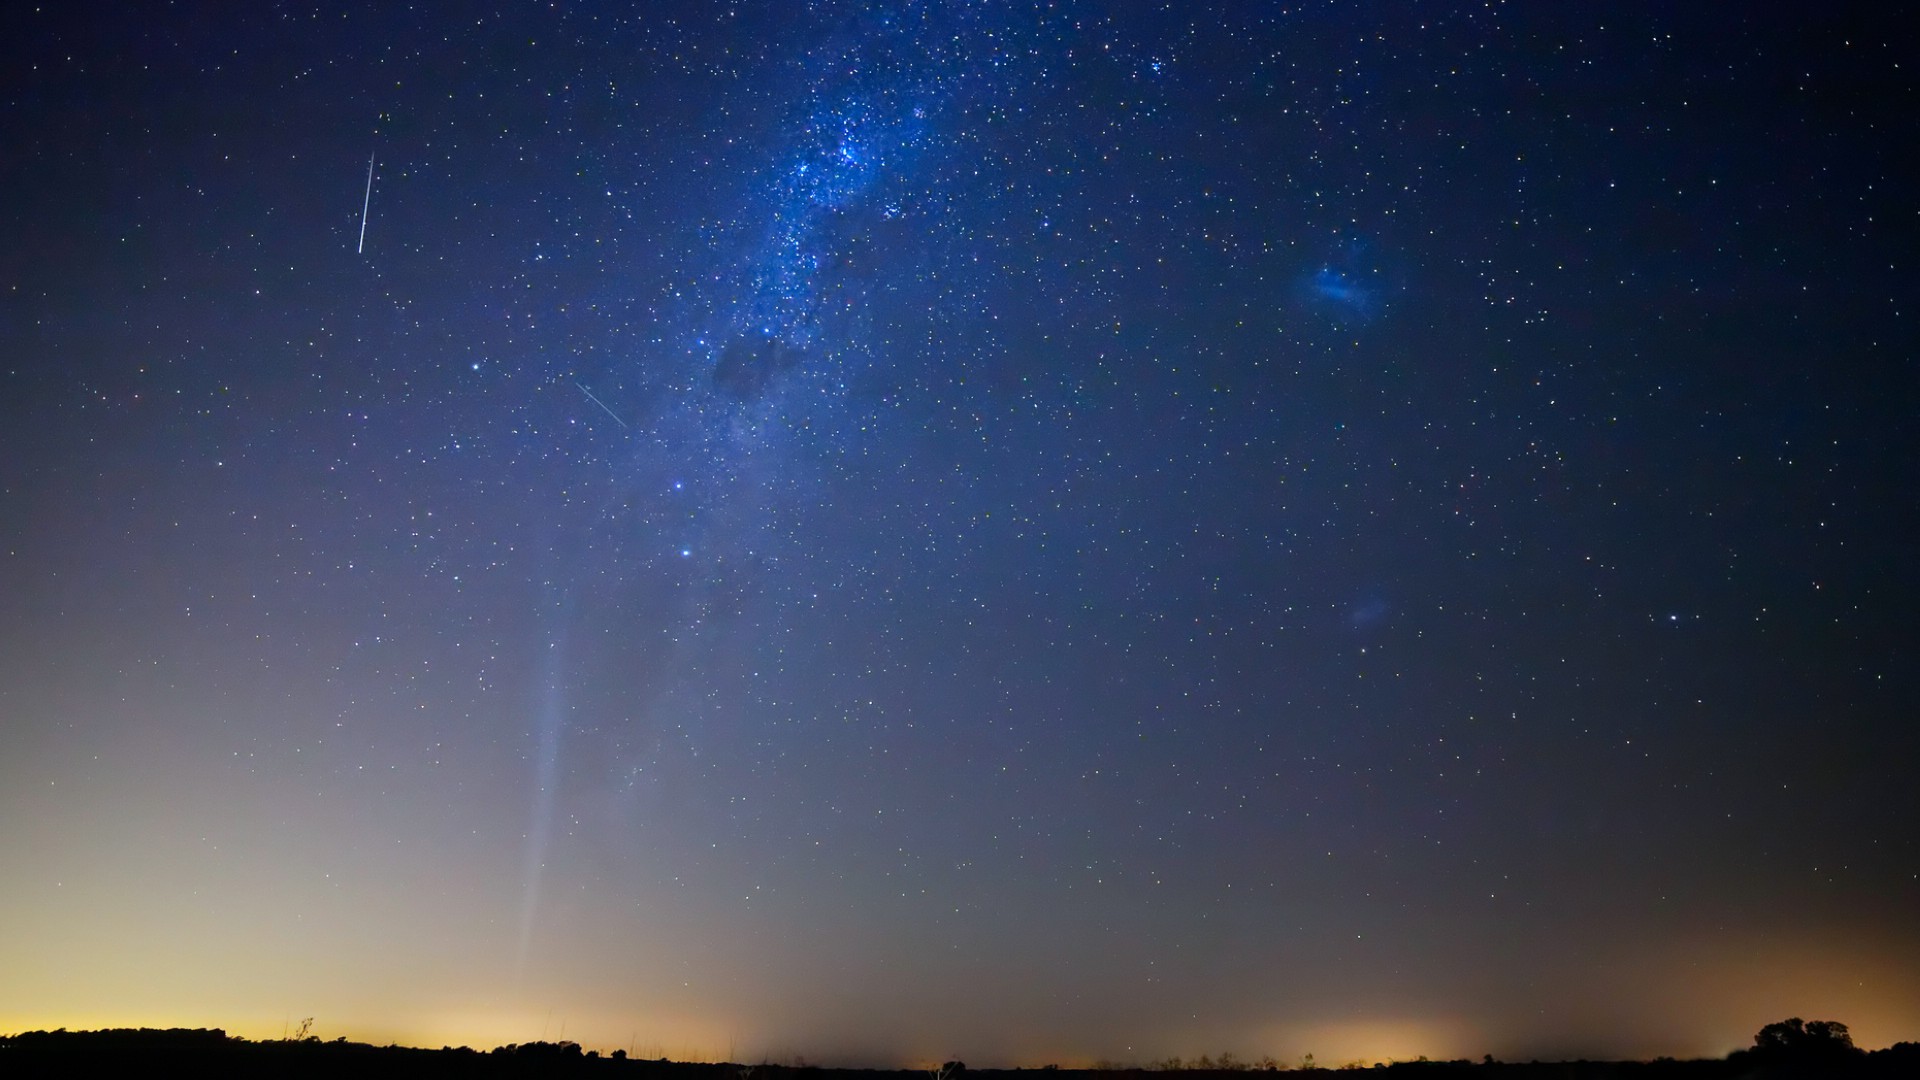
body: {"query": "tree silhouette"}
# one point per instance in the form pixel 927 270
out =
pixel 1803 1040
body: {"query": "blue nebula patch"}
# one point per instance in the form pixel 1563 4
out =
pixel 1351 286
pixel 1341 289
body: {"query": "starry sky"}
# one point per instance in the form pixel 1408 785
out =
pixel 1013 530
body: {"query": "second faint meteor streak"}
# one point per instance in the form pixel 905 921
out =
pixel 602 404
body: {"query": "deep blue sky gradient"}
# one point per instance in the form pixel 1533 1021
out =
pixel 1005 530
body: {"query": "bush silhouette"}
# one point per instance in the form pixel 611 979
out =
pixel 1794 1039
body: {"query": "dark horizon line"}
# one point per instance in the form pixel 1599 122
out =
pixel 1899 1058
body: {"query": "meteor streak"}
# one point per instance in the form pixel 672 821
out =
pixel 364 204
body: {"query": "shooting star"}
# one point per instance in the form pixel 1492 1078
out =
pixel 364 204
pixel 602 404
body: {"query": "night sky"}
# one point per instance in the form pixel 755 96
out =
pixel 1020 531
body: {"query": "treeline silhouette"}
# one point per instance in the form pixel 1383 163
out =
pixel 1792 1048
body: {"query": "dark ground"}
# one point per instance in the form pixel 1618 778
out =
pixel 210 1052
